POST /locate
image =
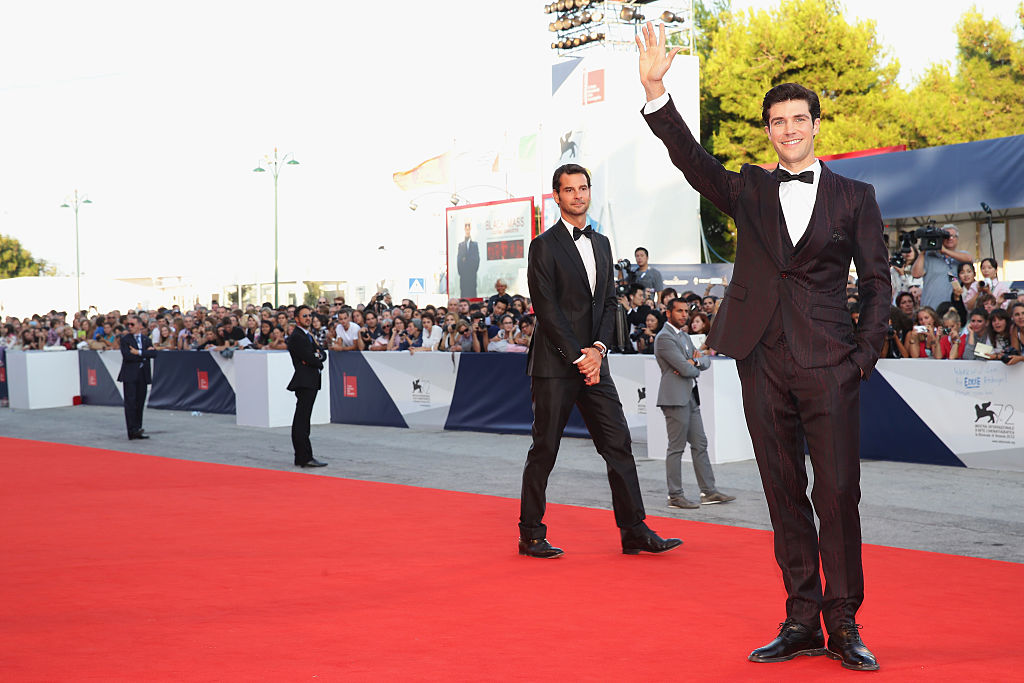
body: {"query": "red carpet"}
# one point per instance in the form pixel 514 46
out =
pixel 130 567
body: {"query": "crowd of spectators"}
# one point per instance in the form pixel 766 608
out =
pixel 972 318
pixel 502 323
pixel 941 309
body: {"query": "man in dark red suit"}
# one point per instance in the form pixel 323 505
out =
pixel 800 361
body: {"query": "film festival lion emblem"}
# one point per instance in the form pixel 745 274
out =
pixel 421 391
pixel 994 422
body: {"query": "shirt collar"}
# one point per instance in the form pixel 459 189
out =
pixel 674 328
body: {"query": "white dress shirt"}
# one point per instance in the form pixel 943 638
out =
pixel 797 198
pixel 585 246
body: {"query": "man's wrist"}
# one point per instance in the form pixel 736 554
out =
pixel 602 349
pixel 654 89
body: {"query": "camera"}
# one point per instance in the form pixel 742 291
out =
pixel 931 237
pixel 898 260
pixel 891 332
pixel 1008 354
pixel 379 298
pixel 638 335
pixel 625 276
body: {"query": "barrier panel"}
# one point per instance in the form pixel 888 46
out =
pixel 97 372
pixel 262 398
pixel 42 379
pixel 959 413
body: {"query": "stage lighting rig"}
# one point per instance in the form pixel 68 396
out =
pixel 614 24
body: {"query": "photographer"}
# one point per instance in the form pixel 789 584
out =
pixel 893 346
pixel 399 340
pixel 990 283
pixel 371 332
pixel 923 340
pixel 464 340
pixel 938 268
pixel 951 343
pixel 636 309
pixel 969 285
pixel 482 333
pixel 644 337
pixel 900 266
pixel 647 277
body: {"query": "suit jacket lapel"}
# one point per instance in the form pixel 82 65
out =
pixel 819 231
pixel 771 209
pixel 571 253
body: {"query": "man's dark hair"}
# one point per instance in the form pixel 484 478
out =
pixel 634 288
pixel 298 310
pixel 790 91
pixel 677 301
pixel 567 169
pixel 643 249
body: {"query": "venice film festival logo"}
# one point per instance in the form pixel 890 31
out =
pixel 994 421
pixel 421 391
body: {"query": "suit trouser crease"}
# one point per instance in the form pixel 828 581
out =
pixel 304 400
pixel 134 404
pixel 784 402
pixel 553 399
pixel 684 425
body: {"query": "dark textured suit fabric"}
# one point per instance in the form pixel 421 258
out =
pixel 305 383
pixel 135 375
pixel 785 321
pixel 571 317
pixel 468 262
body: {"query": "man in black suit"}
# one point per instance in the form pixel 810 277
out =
pixel 800 361
pixel 468 262
pixel 135 375
pixel 570 276
pixel 308 361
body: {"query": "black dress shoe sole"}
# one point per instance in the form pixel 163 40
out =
pixel 550 556
pixel 311 464
pixel 637 551
pixel 851 667
pixel 813 652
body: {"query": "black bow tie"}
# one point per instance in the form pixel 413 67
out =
pixel 785 176
pixel 586 232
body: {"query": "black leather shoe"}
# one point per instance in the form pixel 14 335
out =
pixel 647 542
pixel 844 643
pixel 312 462
pixel 138 435
pixel 539 547
pixel 793 639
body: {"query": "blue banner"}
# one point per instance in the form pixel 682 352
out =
pixel 98 387
pixel 190 380
pixel 357 394
pixel 492 394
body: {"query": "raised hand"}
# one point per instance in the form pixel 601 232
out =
pixel 654 60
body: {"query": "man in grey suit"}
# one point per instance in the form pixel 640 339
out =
pixel 678 399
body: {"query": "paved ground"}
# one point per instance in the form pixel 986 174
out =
pixel 944 509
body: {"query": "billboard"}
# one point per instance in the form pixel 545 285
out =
pixel 486 242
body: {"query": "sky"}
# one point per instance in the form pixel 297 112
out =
pixel 159 113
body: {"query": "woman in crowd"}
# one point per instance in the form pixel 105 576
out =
pixel 1001 336
pixel 277 342
pixel 893 346
pixel 318 328
pixel 399 340
pixel 969 282
pixel 922 341
pixel 264 334
pixel 1016 311
pixel 951 342
pixel 905 302
pixel 652 325
pixel 519 307
pixel 414 330
pixel 977 331
pixel 431 336
pixel 448 332
pixel 664 297
pixel 167 340
pixel 504 341
pixel 10 337
pixel 357 317
pixel 991 283
pixel 252 329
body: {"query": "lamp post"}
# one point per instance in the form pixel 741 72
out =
pixel 274 166
pixel 75 203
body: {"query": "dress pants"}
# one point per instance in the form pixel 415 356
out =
pixel 304 400
pixel 553 399
pixel 684 424
pixel 134 403
pixel 784 403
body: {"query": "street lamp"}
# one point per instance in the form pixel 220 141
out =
pixel 274 166
pixel 75 203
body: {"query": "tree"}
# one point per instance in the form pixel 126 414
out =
pixel 16 261
pixel 983 99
